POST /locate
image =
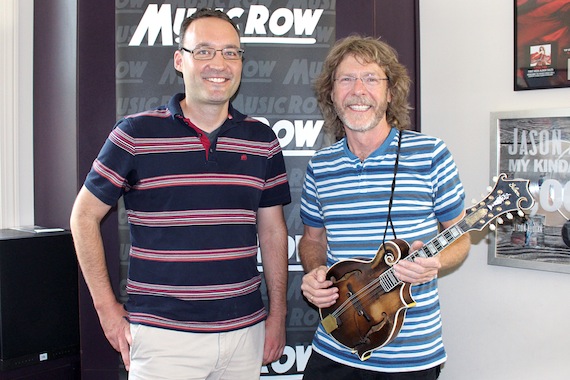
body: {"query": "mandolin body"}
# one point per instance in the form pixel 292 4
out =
pixel 365 316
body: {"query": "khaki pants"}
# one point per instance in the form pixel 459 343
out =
pixel 161 354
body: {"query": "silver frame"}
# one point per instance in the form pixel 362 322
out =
pixel 497 118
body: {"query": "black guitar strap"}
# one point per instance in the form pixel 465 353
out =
pixel 389 217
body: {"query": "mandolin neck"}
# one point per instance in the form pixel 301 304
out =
pixel 388 279
pixel 439 242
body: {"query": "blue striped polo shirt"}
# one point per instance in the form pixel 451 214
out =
pixel 350 199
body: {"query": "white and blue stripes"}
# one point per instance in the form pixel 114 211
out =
pixel 350 199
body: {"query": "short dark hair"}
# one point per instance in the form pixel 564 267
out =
pixel 203 13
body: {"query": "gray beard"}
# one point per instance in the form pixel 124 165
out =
pixel 361 128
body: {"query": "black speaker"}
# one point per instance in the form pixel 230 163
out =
pixel 39 308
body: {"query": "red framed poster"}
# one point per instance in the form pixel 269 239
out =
pixel 542 44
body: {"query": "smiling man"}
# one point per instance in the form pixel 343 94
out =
pixel 202 185
pixel 378 182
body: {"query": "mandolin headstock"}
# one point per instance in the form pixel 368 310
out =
pixel 507 196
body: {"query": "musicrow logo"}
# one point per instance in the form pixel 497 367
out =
pixel 260 25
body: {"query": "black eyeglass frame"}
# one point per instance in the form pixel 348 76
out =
pixel 239 50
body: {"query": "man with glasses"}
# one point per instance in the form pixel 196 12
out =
pixel 201 184
pixel 378 182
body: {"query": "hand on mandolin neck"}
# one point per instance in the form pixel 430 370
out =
pixel 419 270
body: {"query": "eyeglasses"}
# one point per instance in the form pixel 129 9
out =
pixel 369 81
pixel 207 53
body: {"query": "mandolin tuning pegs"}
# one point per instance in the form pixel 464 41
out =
pixel 500 220
pixel 520 213
pixel 489 189
pixel 474 201
pixel 495 179
pixel 492 227
pixel 509 216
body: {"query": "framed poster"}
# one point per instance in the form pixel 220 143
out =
pixel 534 145
pixel 542 44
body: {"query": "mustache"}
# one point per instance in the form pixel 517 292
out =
pixel 358 100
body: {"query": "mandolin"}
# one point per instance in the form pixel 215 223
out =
pixel 372 302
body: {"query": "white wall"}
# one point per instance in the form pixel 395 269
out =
pixel 24 107
pixel 16 120
pixel 499 322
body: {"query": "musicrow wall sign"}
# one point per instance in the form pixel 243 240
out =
pixel 285 44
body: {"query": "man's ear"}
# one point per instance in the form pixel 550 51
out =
pixel 178 60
